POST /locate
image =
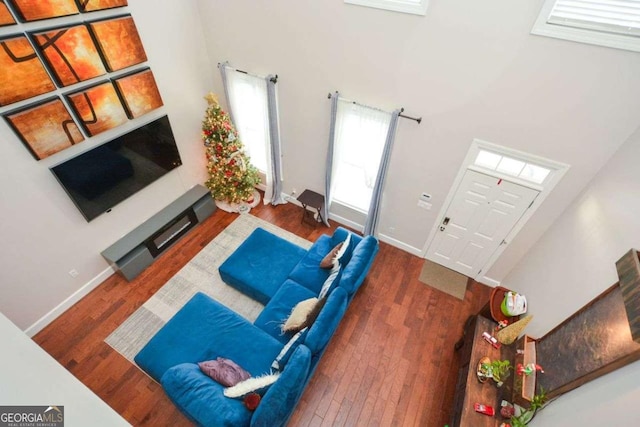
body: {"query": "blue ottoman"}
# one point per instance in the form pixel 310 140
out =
pixel 261 264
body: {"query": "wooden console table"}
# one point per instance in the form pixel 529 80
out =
pixel 468 389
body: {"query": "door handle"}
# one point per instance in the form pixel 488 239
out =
pixel 445 221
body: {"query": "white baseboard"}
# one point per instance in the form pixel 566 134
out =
pixel 291 199
pixel 344 221
pixel 67 303
pixel 360 228
pixel 336 218
pixel 400 245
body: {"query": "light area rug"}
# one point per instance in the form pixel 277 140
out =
pixel 443 279
pixel 199 275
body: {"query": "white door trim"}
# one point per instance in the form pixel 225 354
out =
pixel 558 170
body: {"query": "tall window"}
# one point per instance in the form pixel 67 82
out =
pixel 248 99
pixel 612 23
pixel 359 141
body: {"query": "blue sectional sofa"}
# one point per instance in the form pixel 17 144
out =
pixel 279 274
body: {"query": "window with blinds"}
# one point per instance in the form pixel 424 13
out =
pixel 612 23
pixel 417 7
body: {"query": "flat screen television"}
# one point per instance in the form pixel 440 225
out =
pixel 102 177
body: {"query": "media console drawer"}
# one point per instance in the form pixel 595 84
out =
pixel 136 250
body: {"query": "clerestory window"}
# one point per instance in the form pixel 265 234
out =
pixel 417 7
pixel 611 23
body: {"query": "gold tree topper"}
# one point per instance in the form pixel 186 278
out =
pixel 212 98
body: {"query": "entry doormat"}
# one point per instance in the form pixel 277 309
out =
pixel 443 279
pixel 199 275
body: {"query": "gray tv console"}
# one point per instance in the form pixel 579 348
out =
pixel 136 250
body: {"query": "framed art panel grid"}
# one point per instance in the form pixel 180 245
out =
pixel 55 71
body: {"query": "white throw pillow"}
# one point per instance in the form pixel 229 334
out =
pixel 251 384
pixel 344 247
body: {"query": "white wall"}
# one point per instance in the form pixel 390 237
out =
pixel 573 263
pixel 30 377
pixel 43 235
pixel 470 69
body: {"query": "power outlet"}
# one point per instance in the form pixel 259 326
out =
pixel 74 273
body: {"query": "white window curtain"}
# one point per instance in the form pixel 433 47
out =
pixel 360 137
pixel 248 101
pixel 253 109
pixel 361 140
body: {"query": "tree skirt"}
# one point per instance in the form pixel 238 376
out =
pixel 243 207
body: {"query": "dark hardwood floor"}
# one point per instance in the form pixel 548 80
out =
pixel 390 363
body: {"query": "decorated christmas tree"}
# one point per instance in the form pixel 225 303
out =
pixel 231 177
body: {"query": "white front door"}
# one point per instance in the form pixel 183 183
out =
pixel 480 216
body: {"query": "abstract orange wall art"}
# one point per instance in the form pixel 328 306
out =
pixel 46 58
pixel 139 93
pixel 22 75
pixel 119 42
pixel 34 10
pixel 5 16
pixel 91 5
pixel 98 108
pixel 45 128
pixel 71 54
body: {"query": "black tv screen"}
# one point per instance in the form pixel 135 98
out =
pixel 102 177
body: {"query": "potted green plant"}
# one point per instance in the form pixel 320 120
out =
pixel 497 369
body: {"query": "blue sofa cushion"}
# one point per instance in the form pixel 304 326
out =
pixel 201 399
pixel 307 271
pixel 327 322
pixel 278 403
pixel 204 330
pixel 354 272
pixel 276 312
pixel 261 264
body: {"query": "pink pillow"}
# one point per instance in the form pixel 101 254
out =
pixel 224 371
